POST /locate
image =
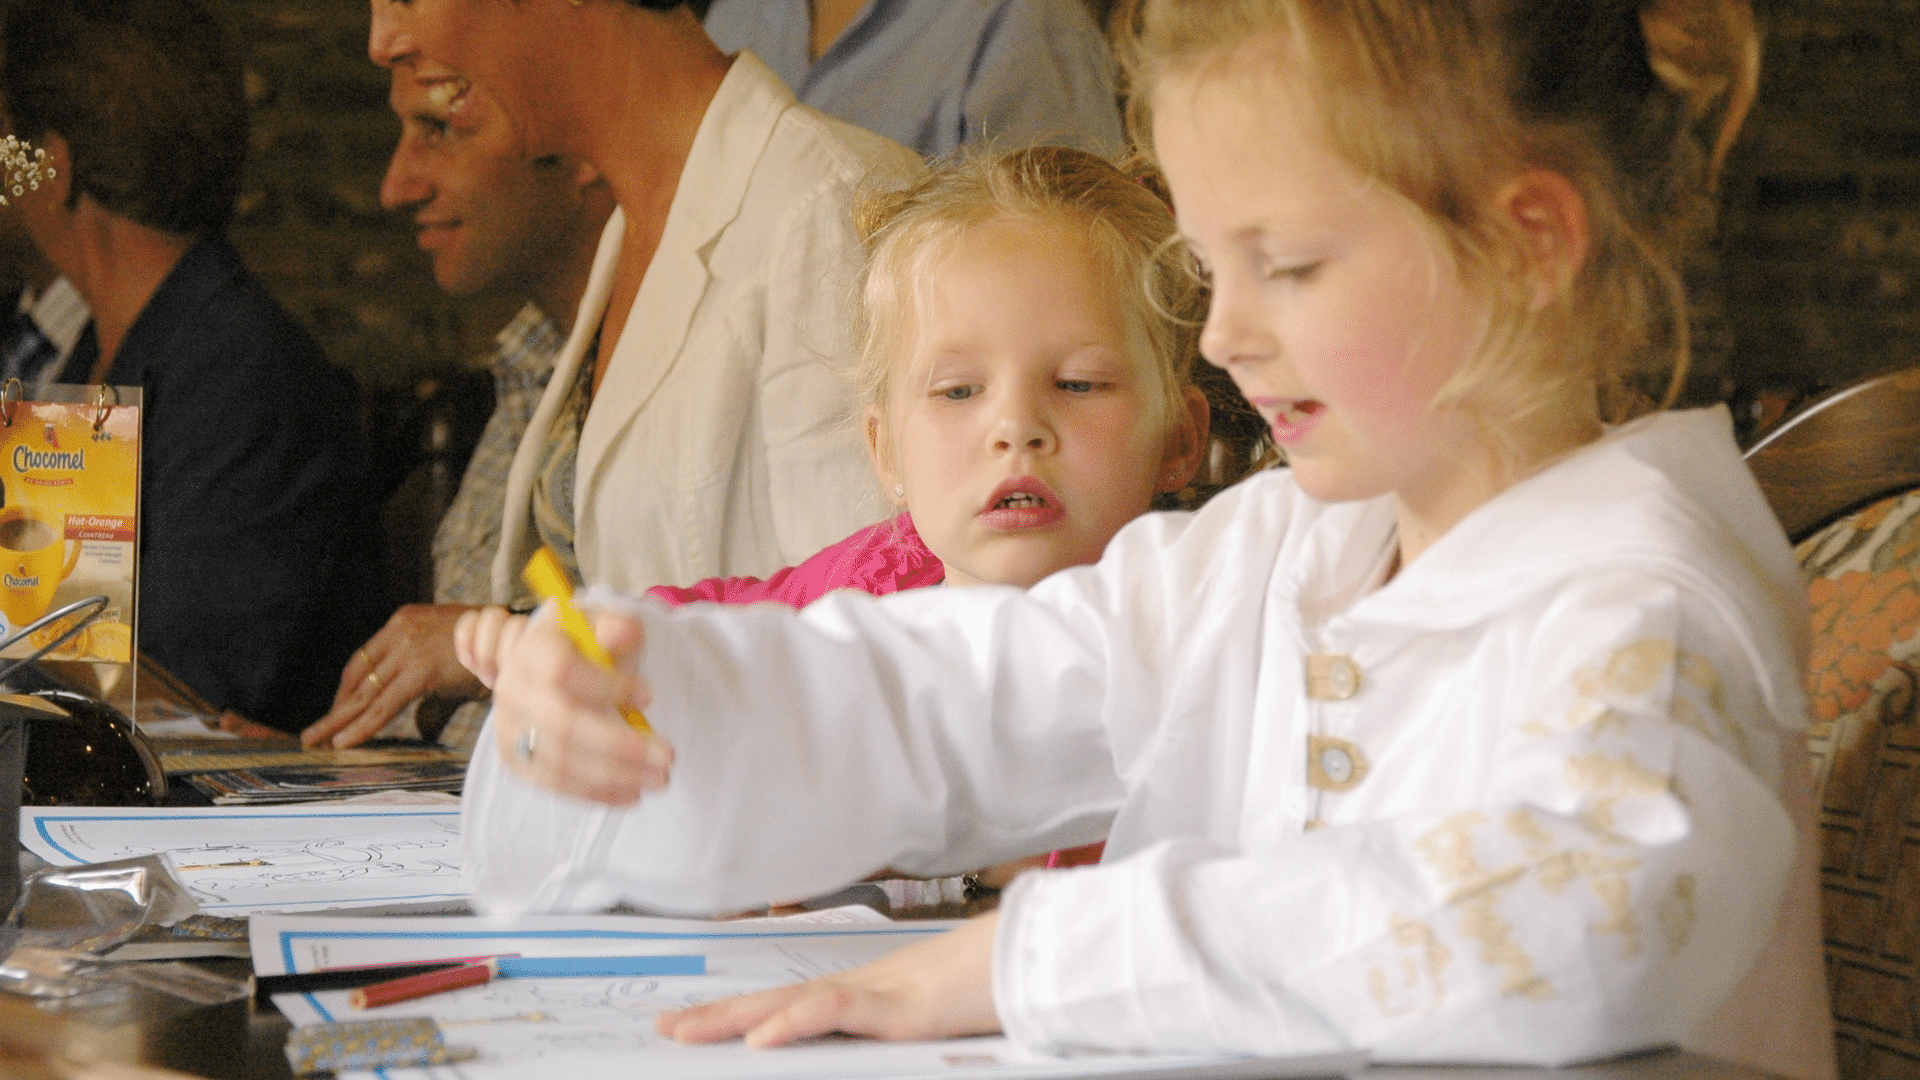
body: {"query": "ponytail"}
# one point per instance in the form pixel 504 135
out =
pixel 1708 53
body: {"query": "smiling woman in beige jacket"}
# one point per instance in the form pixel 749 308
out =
pixel 716 437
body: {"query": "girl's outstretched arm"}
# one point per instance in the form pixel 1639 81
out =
pixel 941 988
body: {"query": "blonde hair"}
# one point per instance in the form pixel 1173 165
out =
pixel 1444 102
pixel 1130 230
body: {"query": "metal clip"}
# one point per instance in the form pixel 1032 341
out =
pixel 101 407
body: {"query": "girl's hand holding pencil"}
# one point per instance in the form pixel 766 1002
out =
pixel 557 716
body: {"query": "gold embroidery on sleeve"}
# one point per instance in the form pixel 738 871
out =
pixel 1608 880
pixel 1698 671
pixel 1634 670
pixel 1524 825
pixel 1448 848
pixel 1422 959
pixel 1676 914
pixel 1637 669
pixel 1617 775
pixel 1697 698
pixel 1480 921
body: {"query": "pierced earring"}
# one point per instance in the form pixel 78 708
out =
pixel 899 491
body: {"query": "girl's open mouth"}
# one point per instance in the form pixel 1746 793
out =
pixel 1293 419
pixel 1022 502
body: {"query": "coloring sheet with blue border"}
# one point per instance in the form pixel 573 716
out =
pixel 595 1028
pixel 301 944
pixel 238 860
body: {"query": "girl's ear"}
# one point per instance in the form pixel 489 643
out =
pixel 1186 443
pixel 1550 217
pixel 881 453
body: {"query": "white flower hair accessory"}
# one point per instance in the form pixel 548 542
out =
pixel 22 167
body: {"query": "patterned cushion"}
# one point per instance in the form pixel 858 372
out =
pixel 1863 584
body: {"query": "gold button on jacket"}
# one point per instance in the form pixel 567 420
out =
pixel 1332 677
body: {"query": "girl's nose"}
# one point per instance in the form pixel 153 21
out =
pixel 1021 423
pixel 1233 334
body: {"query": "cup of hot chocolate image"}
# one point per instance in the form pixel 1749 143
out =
pixel 35 558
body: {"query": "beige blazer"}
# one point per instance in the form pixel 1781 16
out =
pixel 722 440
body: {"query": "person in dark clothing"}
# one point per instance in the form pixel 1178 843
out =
pixel 257 551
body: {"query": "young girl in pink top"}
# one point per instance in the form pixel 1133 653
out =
pixel 1028 363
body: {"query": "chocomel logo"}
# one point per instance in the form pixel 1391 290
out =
pixel 31 581
pixel 25 460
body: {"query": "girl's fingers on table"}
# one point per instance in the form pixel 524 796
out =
pixel 819 1010
pixel 939 988
pixel 730 1018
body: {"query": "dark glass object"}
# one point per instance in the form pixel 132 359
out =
pixel 93 756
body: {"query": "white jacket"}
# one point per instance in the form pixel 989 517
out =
pixel 723 439
pixel 1557 831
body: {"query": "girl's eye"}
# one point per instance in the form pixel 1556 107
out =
pixel 956 393
pixel 1301 272
pixel 1076 386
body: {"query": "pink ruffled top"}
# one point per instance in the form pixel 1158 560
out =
pixel 879 559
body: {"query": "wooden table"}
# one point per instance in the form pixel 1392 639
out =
pixel 267 1034
pixel 245 1040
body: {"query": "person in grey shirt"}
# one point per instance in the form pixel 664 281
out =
pixel 938 74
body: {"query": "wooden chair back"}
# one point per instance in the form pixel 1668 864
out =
pixel 1841 452
pixel 1843 475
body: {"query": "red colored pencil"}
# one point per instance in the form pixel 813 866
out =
pixel 419 986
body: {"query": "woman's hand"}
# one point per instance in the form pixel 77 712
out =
pixel 482 637
pixel 556 717
pixel 411 657
pixel 938 989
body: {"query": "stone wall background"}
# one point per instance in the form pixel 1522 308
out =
pixel 1819 278
pixel 1821 251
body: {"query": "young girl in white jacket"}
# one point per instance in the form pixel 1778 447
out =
pixel 1473 736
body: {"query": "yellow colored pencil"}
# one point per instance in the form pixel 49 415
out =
pixel 549 582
